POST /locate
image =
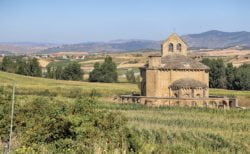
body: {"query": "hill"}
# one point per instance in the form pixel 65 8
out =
pixel 5 53
pixel 215 39
pixel 111 46
pixel 24 47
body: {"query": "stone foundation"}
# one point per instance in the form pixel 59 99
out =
pixel 210 102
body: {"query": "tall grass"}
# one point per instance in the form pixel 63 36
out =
pixel 187 130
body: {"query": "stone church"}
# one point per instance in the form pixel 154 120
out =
pixel 174 79
pixel 173 74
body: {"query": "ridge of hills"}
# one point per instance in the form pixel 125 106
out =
pixel 213 39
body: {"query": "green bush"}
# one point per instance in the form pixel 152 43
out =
pixel 61 127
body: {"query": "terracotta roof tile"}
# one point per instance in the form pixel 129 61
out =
pixel 181 62
pixel 187 83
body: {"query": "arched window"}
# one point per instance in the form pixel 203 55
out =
pixel 171 47
pixel 194 103
pixel 205 104
pixel 176 95
pixel 212 103
pixel 178 47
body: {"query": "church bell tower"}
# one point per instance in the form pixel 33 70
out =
pixel 173 45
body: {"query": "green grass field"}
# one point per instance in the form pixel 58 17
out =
pixel 37 84
pixel 180 130
pixel 34 85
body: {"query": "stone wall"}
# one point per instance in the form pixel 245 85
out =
pixel 154 62
pixel 189 93
pixel 158 81
pixel 217 102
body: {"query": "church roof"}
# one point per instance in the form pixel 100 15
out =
pixel 175 37
pixel 187 83
pixel 181 62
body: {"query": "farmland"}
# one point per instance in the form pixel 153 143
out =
pixel 162 129
pixel 134 60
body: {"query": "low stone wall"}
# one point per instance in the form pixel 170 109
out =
pixel 211 102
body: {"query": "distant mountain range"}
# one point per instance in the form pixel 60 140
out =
pixel 5 53
pixel 213 39
pixel 23 47
pixel 111 46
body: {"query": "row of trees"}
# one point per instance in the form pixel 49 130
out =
pixel 72 71
pixel 228 76
pixel 31 67
pixel 20 65
pixel 221 75
pixel 105 72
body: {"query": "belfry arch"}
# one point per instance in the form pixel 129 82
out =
pixel 174 45
pixel 178 47
pixel 171 47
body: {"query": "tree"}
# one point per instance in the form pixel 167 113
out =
pixel 54 72
pixel 230 75
pixel 109 70
pixel 106 72
pixel 217 77
pixel 242 77
pixel 72 72
pixel 8 65
pixel 130 76
pixel 95 75
pixel 50 72
pixel 22 67
pixel 59 72
pixel 34 68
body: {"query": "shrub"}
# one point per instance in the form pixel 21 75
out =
pixel 61 127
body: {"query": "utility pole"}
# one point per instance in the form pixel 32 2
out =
pixel 12 114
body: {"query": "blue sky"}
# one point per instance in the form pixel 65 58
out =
pixel 73 21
